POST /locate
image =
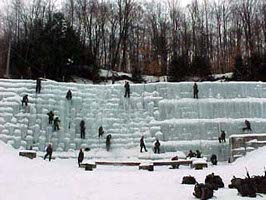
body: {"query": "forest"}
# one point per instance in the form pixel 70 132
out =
pixel 161 38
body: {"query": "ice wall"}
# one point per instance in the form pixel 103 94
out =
pixel 160 110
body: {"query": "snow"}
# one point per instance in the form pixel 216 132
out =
pixel 22 178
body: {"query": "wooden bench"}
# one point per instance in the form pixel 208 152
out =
pixel 29 154
pixel 199 165
pixel 146 166
pixel 89 166
pixel 119 163
pixel 175 164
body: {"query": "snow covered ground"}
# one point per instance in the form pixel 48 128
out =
pixel 22 178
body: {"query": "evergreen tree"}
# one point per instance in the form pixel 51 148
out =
pixel 51 47
pixel 257 67
pixel 240 70
pixel 178 68
pixel 200 66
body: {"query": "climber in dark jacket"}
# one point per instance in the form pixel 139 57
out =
pixel 108 142
pixel 50 117
pixel 82 129
pixel 198 154
pixel 49 151
pixel 157 147
pixel 56 124
pixel 142 144
pixel 248 127
pixel 191 154
pixel 195 91
pixel 127 89
pixel 80 157
pixel 100 131
pixel 213 159
pixel 69 95
pixel 38 85
pixel 25 100
pixel 222 137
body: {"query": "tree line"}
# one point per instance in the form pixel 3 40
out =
pixel 155 38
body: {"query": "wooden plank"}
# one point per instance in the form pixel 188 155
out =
pixel 178 162
pixel 117 163
pixel 137 163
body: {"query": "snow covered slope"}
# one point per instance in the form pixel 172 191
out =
pixel 160 110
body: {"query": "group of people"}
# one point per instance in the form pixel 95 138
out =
pixel 156 147
pixel 55 121
pixel 192 154
pixel 49 152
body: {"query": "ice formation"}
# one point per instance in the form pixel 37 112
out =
pixel 165 111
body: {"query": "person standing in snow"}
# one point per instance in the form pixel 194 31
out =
pixel 80 157
pixel 25 100
pixel 157 147
pixel 82 129
pixel 100 131
pixel 248 127
pixel 38 85
pixel 69 95
pixel 50 117
pixel 213 159
pixel 127 89
pixel 49 151
pixel 195 91
pixel 142 144
pixel 108 142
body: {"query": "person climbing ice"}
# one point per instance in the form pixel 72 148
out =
pixel 100 131
pixel 25 100
pixel 56 124
pixel 50 117
pixel 82 129
pixel 69 95
pixel 108 142
pixel 222 137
